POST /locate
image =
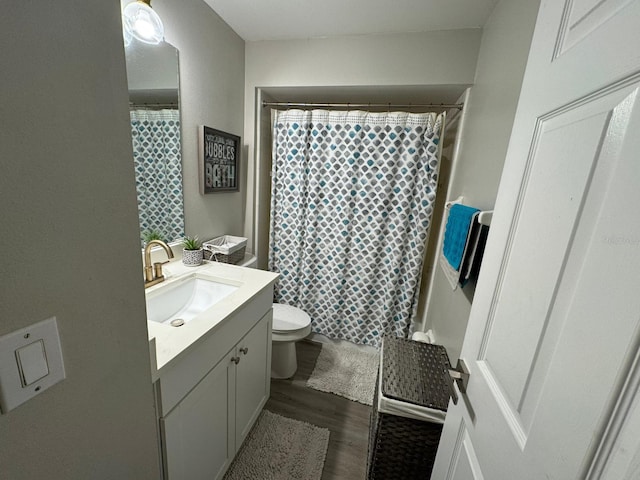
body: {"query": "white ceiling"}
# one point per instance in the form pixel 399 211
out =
pixel 256 20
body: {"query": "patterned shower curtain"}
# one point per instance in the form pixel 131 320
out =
pixel 351 204
pixel 158 166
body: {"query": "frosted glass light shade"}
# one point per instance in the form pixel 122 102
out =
pixel 142 23
pixel 126 35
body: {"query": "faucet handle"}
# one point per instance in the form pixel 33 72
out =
pixel 157 269
pixel 148 274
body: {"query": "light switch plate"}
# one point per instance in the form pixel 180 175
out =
pixel 32 362
pixel 13 391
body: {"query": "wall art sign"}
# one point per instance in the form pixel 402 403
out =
pixel 219 157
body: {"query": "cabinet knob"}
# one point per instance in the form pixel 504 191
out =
pixel 235 360
pixel 244 350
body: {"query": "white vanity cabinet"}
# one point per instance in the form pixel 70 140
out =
pixel 204 420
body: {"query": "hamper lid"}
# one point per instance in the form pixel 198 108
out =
pixel 415 372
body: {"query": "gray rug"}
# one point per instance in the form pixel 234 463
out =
pixel 280 448
pixel 347 371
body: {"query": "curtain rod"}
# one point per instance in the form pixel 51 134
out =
pixel 154 105
pixel 361 105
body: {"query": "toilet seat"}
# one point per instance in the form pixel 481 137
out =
pixel 289 323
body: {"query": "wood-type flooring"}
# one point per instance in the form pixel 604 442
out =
pixel 347 421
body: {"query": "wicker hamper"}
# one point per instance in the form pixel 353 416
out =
pixel 226 249
pixel 414 374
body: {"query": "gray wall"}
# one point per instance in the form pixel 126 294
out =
pixel 212 94
pixel 488 119
pixel 412 59
pixel 151 67
pixel 70 238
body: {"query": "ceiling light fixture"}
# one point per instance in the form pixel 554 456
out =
pixel 141 22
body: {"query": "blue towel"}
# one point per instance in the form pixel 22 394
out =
pixel 455 235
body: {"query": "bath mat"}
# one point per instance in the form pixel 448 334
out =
pixel 280 448
pixel 347 371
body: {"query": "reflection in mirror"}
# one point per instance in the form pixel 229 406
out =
pixel 153 77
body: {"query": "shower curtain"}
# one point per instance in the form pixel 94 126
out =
pixel 158 166
pixel 351 204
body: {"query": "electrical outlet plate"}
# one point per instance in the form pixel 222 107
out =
pixel 16 366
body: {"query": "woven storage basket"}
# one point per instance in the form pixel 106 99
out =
pixel 226 249
pixel 405 448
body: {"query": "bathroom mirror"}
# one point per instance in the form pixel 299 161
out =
pixel 154 101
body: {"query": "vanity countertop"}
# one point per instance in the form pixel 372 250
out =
pixel 169 343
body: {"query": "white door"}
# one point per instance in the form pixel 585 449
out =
pixel 552 342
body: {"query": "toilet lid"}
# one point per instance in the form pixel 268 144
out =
pixel 287 318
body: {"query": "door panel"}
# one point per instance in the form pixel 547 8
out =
pixel 582 17
pixel 199 441
pixel 252 377
pixel 465 464
pixel 522 335
pixel 590 330
pixel 542 236
pixel 574 298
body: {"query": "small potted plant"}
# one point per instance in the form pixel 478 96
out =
pixel 192 253
pixel 153 234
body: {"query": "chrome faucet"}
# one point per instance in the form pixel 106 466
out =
pixel 153 274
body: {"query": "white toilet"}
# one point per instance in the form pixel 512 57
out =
pixel 290 324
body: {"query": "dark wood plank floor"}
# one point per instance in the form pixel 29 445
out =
pixel 347 421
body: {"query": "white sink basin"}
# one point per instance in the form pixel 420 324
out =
pixel 180 302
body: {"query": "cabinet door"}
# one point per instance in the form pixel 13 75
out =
pixel 199 437
pixel 252 376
